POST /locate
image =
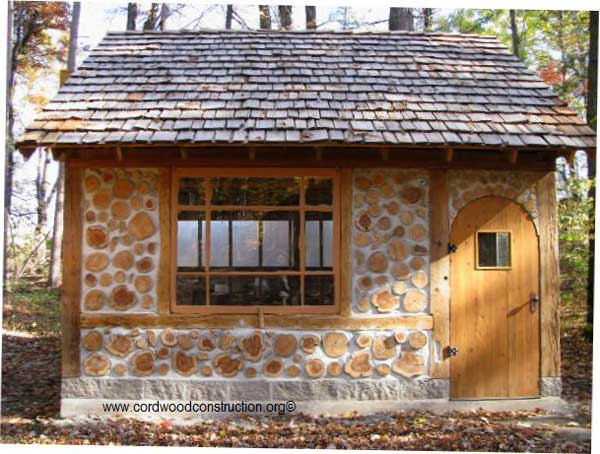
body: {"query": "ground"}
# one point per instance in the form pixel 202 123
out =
pixel 31 393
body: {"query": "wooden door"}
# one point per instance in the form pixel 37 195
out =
pixel 494 317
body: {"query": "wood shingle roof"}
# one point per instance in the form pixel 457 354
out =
pixel 271 87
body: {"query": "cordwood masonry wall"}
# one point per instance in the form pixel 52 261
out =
pixel 390 263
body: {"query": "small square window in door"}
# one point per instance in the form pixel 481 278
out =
pixel 493 250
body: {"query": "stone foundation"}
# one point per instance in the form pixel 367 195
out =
pixel 148 389
pixel 550 386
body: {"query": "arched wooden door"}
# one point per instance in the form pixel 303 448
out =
pixel 494 303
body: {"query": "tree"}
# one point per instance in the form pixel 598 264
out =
pixel 30 50
pixel 229 17
pixel 132 12
pixel 401 19
pixel 285 16
pixel 264 14
pixel 311 17
pixel 427 19
pixel 55 275
pixel 152 18
pixel 592 118
pixel 514 33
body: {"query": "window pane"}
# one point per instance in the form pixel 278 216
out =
pixel 192 191
pixel 494 249
pixel 318 291
pixel 256 191
pixel 319 191
pixel 319 240
pixel 191 291
pixel 190 240
pixel 254 240
pixel 255 290
pixel 219 243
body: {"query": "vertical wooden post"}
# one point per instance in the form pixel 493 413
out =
pixel 72 260
pixel 549 276
pixel 439 271
pixel 346 242
pixel 163 291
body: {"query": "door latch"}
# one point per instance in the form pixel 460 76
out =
pixel 452 351
pixel 534 300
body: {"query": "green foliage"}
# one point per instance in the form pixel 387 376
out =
pixel 574 224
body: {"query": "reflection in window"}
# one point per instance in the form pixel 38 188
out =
pixel 191 191
pixel 255 191
pixel 254 240
pixel 319 191
pixel 318 290
pixel 190 234
pixel 191 291
pixel 319 240
pixel 261 290
pixel 493 249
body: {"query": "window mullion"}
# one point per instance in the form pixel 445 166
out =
pixel 207 249
pixel 302 239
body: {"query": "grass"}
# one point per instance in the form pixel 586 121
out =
pixel 33 310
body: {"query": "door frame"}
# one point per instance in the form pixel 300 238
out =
pixel 540 295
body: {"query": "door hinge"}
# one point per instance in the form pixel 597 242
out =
pixel 452 248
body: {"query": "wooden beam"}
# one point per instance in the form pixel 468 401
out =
pixel 163 291
pixel 346 243
pixel 252 154
pixel 513 156
pixel 549 276
pixel 261 317
pixel 318 154
pixel 183 153
pixel 449 155
pixel 571 157
pixel 293 321
pixel 72 259
pixel 439 273
pixel 385 154
pixel 119 152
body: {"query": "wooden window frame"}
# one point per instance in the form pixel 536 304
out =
pixel 301 208
pixel 477 267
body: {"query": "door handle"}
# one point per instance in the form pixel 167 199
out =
pixel 534 301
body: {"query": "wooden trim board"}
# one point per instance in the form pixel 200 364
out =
pixel 72 260
pixel 439 273
pixel 549 276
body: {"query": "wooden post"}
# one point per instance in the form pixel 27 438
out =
pixel 163 291
pixel 549 276
pixel 72 260
pixel 346 243
pixel 439 272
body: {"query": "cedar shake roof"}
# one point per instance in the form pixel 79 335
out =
pixel 255 87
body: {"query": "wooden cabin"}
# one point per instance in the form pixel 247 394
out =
pixel 314 216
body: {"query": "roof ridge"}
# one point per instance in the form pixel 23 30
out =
pixel 300 32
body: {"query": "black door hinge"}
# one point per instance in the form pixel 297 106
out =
pixel 452 247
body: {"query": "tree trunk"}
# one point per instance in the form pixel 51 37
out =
pixel 401 19
pixel 150 22
pixel 514 31
pixel 592 118
pixel 132 11
pixel 55 273
pixel 311 17
pixel 229 17
pixel 285 16
pixel 427 19
pixel 8 156
pixel 164 14
pixel 41 190
pixel 265 17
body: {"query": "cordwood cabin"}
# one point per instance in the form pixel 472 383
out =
pixel 314 216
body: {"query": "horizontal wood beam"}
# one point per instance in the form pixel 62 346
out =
pixel 300 321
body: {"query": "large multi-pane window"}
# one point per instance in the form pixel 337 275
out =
pixel 250 239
